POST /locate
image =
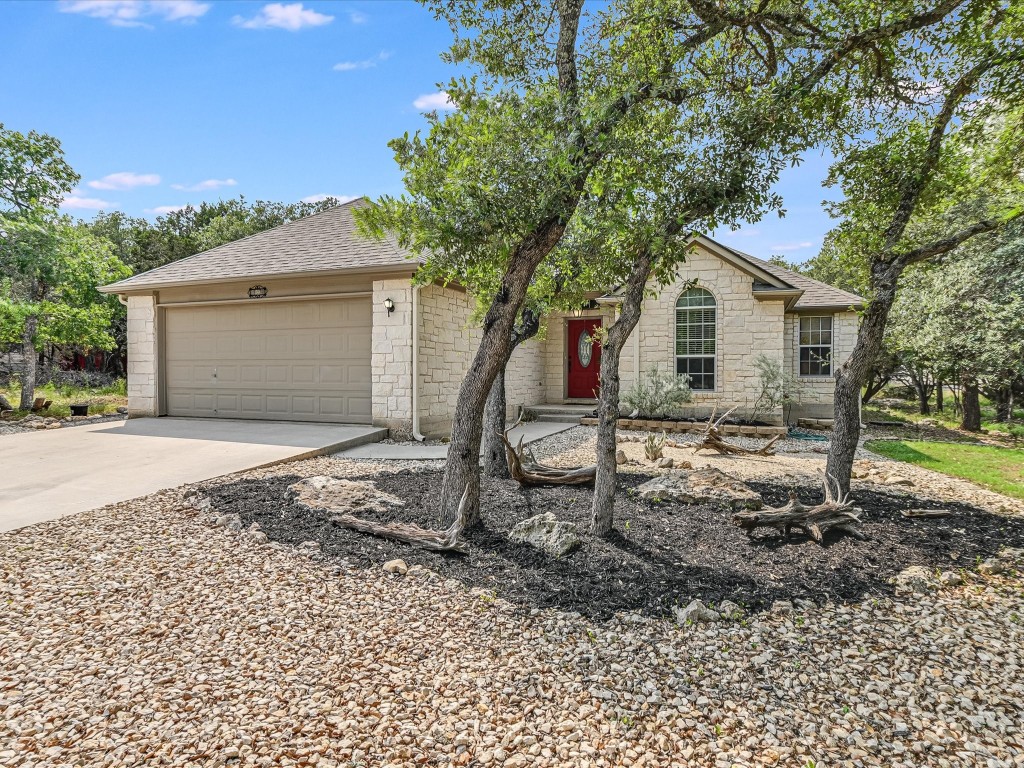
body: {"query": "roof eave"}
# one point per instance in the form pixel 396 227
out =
pixel 389 269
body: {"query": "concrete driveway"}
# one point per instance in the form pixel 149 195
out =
pixel 51 473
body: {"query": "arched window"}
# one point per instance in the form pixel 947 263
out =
pixel 695 338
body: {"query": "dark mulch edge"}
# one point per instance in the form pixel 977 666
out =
pixel 661 555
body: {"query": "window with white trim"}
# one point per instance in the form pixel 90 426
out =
pixel 816 345
pixel 695 338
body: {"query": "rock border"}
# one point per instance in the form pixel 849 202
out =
pixel 656 425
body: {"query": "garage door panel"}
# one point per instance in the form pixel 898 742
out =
pixel 303 360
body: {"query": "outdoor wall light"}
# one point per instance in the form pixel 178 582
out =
pixel 389 305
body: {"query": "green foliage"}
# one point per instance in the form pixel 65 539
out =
pixel 33 172
pixel 53 269
pixel 658 394
pixel 777 387
pixel 654 446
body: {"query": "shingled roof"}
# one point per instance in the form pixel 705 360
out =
pixel 816 294
pixel 324 242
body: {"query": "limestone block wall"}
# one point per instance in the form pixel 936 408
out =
pixel 745 327
pixel 524 376
pixel 816 394
pixel 448 341
pixel 391 356
pixel 143 379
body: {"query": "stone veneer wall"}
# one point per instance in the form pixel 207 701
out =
pixel 746 327
pixel 143 381
pixel 391 357
pixel 448 342
pixel 816 396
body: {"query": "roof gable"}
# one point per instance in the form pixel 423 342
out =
pixel 815 294
pixel 324 242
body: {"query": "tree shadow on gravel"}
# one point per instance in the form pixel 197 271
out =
pixel 661 555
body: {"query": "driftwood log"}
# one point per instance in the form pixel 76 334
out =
pixel 438 541
pixel 711 440
pixel 526 470
pixel 835 513
pixel 926 513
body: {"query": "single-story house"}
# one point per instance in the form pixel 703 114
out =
pixel 310 321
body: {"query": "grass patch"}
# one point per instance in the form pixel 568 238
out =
pixel 101 400
pixel 998 469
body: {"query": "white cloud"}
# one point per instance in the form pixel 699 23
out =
pixel 76 200
pixel 348 66
pixel 430 101
pixel 126 180
pixel 205 185
pixel 160 210
pixel 130 13
pixel 342 199
pixel 292 17
pixel 793 246
pixel 358 17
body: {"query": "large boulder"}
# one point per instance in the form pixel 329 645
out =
pixel 553 536
pixel 342 497
pixel 701 486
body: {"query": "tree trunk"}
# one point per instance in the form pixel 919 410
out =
pixel 462 470
pixel 939 395
pixel 494 461
pixel 854 372
pixel 972 406
pixel 1003 403
pixel 29 363
pixel 493 454
pixel 923 406
pixel 603 510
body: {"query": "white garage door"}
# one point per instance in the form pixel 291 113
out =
pixel 293 360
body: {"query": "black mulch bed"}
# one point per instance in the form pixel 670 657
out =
pixel 663 554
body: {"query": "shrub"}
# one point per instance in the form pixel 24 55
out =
pixel 777 387
pixel 658 394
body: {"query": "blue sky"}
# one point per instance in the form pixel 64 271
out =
pixel 167 102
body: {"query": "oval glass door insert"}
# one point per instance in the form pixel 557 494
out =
pixel 585 351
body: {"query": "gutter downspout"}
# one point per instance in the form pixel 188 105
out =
pixel 416 365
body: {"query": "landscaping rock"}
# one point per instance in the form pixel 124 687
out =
pixel 1011 555
pixel 916 578
pixel 547 533
pixel 620 457
pixel 702 486
pixel 230 522
pixel 992 567
pixel 396 566
pixel 665 462
pixel 782 607
pixel 950 579
pixel 730 610
pixel 344 497
pixel 696 613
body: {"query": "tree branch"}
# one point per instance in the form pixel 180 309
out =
pixel 947 244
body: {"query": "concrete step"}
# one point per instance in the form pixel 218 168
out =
pixel 560 412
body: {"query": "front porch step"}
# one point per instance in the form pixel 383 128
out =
pixel 559 412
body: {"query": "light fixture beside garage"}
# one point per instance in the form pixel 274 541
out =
pixel 389 305
pixel 258 292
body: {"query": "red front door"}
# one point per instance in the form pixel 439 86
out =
pixel 584 358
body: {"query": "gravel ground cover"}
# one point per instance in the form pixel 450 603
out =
pixel 138 636
pixel 664 555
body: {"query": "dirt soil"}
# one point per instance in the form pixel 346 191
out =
pixel 663 554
